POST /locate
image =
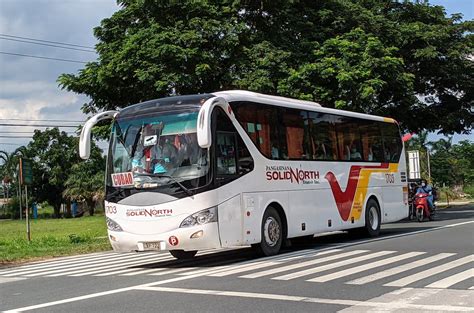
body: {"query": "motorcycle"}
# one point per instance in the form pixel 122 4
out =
pixel 422 208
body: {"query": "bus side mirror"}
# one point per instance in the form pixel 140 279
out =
pixel 204 131
pixel 85 138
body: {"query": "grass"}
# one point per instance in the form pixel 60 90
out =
pixel 52 237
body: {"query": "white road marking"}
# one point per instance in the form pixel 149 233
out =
pixel 453 279
pixel 48 265
pixel 244 268
pixel 10 279
pixel 58 261
pixel 303 264
pixel 55 269
pixel 151 270
pixel 332 265
pixel 173 271
pixel 430 272
pixel 399 269
pixel 116 266
pixel 119 272
pixel 365 267
pixel 382 306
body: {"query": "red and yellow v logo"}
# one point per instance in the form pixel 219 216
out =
pixel 345 199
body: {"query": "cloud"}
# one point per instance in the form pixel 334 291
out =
pixel 28 87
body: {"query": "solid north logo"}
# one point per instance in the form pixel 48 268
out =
pixel 293 175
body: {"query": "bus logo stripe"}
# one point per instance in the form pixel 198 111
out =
pixel 345 199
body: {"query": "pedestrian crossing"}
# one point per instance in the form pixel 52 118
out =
pixel 351 267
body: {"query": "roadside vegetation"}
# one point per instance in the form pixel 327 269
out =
pixel 51 238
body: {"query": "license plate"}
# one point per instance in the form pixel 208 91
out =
pixel 153 245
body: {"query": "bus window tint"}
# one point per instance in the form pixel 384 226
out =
pixel 232 155
pixel 348 139
pixel 323 136
pixel 392 142
pixel 372 144
pixel 260 123
pixel 293 132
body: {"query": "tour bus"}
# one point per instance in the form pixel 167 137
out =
pixel 238 168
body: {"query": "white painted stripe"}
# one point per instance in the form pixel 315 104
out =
pixel 245 268
pixel 174 271
pixel 108 264
pixel 471 288
pixel 365 267
pixel 399 269
pixel 304 264
pixel 453 279
pixel 430 272
pixel 281 258
pixel 116 266
pixel 47 265
pixel 55 269
pixel 207 270
pixel 151 270
pixel 332 265
pixel 118 271
pixel 379 306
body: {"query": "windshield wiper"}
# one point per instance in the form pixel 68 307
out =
pixel 171 178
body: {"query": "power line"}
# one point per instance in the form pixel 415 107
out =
pixel 40 57
pixel 41 40
pixel 26 132
pixel 46 120
pixel 48 45
pixel 30 125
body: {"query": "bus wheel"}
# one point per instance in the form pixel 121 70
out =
pixel 272 233
pixel 183 255
pixel 372 218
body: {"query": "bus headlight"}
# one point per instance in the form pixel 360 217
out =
pixel 200 218
pixel 112 225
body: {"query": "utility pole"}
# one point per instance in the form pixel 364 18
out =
pixel 429 167
pixel 28 230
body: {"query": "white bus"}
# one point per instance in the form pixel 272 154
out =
pixel 237 168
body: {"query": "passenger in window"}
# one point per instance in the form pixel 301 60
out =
pixel 370 157
pixel 275 152
pixel 355 154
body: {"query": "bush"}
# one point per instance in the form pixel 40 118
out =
pixel 469 191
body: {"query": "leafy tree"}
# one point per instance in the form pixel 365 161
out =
pixel 85 181
pixel 53 154
pixel 403 59
pixel 453 164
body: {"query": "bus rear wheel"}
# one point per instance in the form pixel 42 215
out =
pixel 183 255
pixel 272 233
pixel 373 218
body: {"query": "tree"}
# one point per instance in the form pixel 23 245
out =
pixel 453 164
pixel 53 154
pixel 403 59
pixel 85 181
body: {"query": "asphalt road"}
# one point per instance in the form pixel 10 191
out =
pixel 411 267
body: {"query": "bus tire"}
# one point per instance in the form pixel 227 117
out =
pixel 183 255
pixel 271 232
pixel 373 218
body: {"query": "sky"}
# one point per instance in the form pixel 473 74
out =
pixel 28 86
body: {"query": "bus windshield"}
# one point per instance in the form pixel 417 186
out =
pixel 157 149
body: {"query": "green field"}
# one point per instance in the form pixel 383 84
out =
pixel 52 237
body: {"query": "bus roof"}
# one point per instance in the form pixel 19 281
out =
pixel 243 95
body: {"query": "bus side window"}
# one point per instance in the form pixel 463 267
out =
pixel 226 153
pixel 233 159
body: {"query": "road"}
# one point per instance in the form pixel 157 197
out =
pixel 411 267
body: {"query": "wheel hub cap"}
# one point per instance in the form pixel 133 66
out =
pixel 271 231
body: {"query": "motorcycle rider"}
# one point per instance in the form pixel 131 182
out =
pixel 426 188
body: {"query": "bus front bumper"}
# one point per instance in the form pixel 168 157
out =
pixel 189 238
